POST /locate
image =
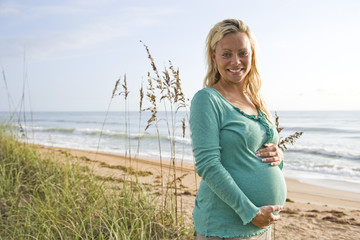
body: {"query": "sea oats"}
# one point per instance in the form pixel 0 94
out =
pixel 124 85
pixel 283 142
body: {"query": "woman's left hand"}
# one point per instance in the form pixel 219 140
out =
pixel 271 153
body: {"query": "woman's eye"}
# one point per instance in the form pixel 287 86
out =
pixel 226 54
pixel 244 54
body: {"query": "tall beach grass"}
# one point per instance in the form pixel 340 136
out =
pixel 44 199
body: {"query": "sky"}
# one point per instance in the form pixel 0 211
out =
pixel 67 55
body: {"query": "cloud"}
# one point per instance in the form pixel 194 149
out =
pixel 8 11
pixel 41 8
pixel 57 29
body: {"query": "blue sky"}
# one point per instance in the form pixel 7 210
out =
pixel 75 50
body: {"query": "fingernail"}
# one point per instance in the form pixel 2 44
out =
pixel 258 154
pixel 263 160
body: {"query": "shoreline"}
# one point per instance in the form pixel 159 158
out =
pixel 319 180
pixel 297 189
pixel 323 180
pixel 310 212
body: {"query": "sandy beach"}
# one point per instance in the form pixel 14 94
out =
pixel 311 212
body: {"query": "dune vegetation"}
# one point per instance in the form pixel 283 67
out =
pixel 44 199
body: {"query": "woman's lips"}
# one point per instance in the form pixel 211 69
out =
pixel 234 70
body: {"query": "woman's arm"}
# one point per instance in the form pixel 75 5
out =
pixel 205 116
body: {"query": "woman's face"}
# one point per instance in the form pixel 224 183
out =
pixel 233 57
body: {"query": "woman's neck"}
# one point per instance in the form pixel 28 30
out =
pixel 228 90
pixel 235 94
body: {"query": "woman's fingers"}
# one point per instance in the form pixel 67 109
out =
pixel 276 208
pixel 271 153
pixel 274 161
pixel 265 217
pixel 269 212
pixel 269 150
pixel 271 208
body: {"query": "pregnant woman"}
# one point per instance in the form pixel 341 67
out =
pixel 234 142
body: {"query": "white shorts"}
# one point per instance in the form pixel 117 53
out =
pixel 264 236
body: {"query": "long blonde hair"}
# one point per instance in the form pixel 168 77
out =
pixel 252 81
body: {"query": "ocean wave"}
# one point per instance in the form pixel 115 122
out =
pixel 332 153
pixel 97 132
pixel 328 169
pixel 144 136
pixel 48 129
pixel 322 130
pixel 71 121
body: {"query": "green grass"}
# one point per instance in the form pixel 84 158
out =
pixel 44 199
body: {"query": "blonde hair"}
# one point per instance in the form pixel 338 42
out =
pixel 252 81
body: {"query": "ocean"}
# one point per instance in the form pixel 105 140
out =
pixel 327 154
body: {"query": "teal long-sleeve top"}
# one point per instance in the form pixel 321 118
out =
pixel 235 182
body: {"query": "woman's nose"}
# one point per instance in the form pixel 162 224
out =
pixel 235 59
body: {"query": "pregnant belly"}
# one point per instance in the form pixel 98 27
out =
pixel 266 186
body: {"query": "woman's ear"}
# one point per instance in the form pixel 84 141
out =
pixel 213 56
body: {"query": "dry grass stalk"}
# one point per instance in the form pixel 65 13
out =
pixel 115 90
pixel 180 101
pixel 153 108
pixel 141 91
pixel 114 93
pixel 127 128
pixel 289 139
pixel 10 101
pixel 152 99
pixel 166 84
pixel 177 100
pixel 124 85
pixel 19 116
pixel 167 96
pixel 178 93
pixel 140 111
pixel 183 124
pixel 153 120
pixel 158 80
pixel 169 87
pixel 277 123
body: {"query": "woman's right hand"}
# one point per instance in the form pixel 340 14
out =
pixel 265 216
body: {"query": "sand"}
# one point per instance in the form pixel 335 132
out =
pixel 311 212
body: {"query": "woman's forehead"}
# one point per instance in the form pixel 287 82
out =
pixel 233 41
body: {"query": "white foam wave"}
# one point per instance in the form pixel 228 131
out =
pixel 327 152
